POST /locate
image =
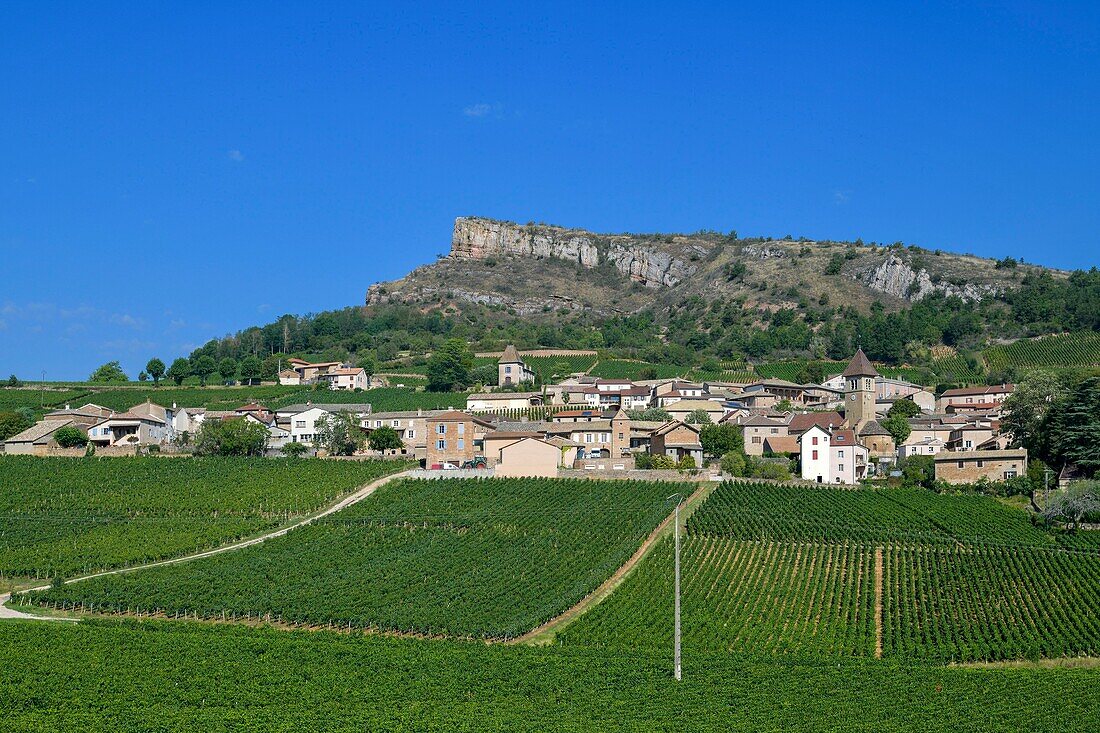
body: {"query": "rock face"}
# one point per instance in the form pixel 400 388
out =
pixel 894 276
pixel 479 239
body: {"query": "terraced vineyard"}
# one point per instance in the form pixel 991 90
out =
pixel 627 369
pixel 465 557
pixel 1066 350
pixel 212 398
pixel 955 369
pixel 68 516
pixel 563 366
pixel 17 399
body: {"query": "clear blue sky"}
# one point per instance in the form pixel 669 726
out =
pixel 171 175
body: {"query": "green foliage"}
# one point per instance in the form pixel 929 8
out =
pixel 251 369
pixel 718 440
pixel 768 470
pixel 235 436
pixel 339 433
pixel 698 417
pixel 179 371
pixel 662 462
pixel 368 363
pixel 1079 501
pixel 155 368
pixel 12 423
pixel 919 471
pixel 733 464
pixel 1072 349
pixel 449 367
pixel 486 558
pixel 903 408
pixel 13 381
pixel 1074 425
pixel 686 463
pixel 385 438
pixel 898 427
pixel 203 367
pixel 213 398
pixel 836 264
pixel 650 414
pixel 71 437
pixel 227 369
pixel 59 515
pixel 109 373
pixel 293 449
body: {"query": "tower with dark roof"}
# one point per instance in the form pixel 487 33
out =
pixel 859 388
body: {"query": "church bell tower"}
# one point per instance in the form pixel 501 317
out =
pixel 859 391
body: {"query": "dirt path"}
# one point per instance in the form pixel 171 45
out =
pixel 352 498
pixel 545 633
pixel 878 602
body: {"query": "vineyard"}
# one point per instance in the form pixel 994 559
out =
pixel 1067 350
pixel 69 516
pixel 627 369
pixel 754 597
pixel 37 400
pixel 956 370
pixel 790 370
pixel 212 398
pixel 559 366
pixel 381 399
pixel 466 557
pixel 176 677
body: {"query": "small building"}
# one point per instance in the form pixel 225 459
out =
pixel 967 467
pixel 924 447
pixel 454 437
pixel 37 439
pixel 681 409
pixel 974 399
pixel 346 378
pixel 877 440
pixel 489 401
pixel 757 428
pixel 511 369
pixel 677 439
pixel 832 457
pixel 534 456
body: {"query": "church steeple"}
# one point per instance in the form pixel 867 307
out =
pixel 859 386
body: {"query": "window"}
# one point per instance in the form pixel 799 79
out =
pixel 961 463
pixel 410 433
pixel 461 444
pixel 775 430
pixel 377 423
pixel 969 443
pixel 395 423
pixel 756 439
pixel 299 423
pixel 441 429
pixel 840 467
pixel 588 437
pixel 840 454
pixel 814 440
pixel 441 445
pixel 981 464
pixel 462 428
pixel 507 370
pixel 814 455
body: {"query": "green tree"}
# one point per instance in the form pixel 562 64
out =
pixel 733 463
pixel 686 463
pixel 385 438
pixel 919 471
pixel 155 368
pixel 251 369
pixel 1074 425
pixel 236 436
pixel 294 450
pixel 1026 410
pixel 698 417
pixel 12 423
pixel 905 408
pixel 203 367
pixel 109 373
pixel 339 434
pixel 179 371
pixel 368 363
pixel 898 427
pixel 227 368
pixel 719 440
pixel 1074 504
pixel 70 437
pixel 812 372
pixel 143 377
pixel 449 367
pixel 13 381
pixel 661 461
pixel 650 414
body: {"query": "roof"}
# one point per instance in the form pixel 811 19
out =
pixel 802 423
pixel 343 372
pixel 333 407
pixel 960 455
pixel 504 395
pixel 583 413
pixel 760 421
pixel 129 416
pixel 288 373
pixel 844 437
pixel 38 431
pixel 671 425
pixel 563 442
pixel 765 383
pixel 860 366
pixel 601 380
pixel 874 427
pixel 252 407
pixel 695 404
pixel 458 416
pixel 510 356
pixel 781 444
pixel 972 391
pixel 512 434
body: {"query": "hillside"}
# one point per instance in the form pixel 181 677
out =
pixel 535 267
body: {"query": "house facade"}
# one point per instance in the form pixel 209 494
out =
pixel 511 369
pixel 966 467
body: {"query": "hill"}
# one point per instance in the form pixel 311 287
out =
pixel 534 267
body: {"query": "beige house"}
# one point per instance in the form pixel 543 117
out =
pixel 966 467
pixel 974 399
pixel 511 369
pixel 531 456
pixel 676 439
pixel 757 428
pixel 490 401
pixel 453 437
pixel 37 439
pixel 345 378
pixel 680 409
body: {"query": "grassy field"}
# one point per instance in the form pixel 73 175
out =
pixel 70 516
pixel 485 558
pixel 164 676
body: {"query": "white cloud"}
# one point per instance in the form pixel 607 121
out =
pixel 480 110
pixel 125 319
pixel 235 155
pixel 840 197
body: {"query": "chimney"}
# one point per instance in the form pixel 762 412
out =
pixel 67 406
pixel 173 405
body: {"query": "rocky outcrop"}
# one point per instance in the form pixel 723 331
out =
pixel 479 239
pixel 894 276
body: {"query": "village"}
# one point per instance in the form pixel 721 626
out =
pixel 855 425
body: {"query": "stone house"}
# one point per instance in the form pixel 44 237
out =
pixel 677 439
pixel 453 437
pixel 511 369
pixel 966 467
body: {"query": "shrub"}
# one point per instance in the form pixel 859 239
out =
pixel 70 437
pixel 733 463
pixel 294 450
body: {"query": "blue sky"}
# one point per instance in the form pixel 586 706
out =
pixel 170 175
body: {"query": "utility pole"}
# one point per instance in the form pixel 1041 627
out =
pixel 678 671
pixel 1046 487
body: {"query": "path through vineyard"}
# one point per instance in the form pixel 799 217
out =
pixel 352 498
pixel 878 602
pixel 545 634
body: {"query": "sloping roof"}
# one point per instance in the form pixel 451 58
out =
pixel 973 391
pixel 333 407
pixel 695 404
pixel 458 416
pixel 781 444
pixel 802 423
pixel 563 442
pixel 504 395
pixel 860 366
pixel 844 437
pixel 671 425
pixel 38 431
pixel 343 372
pixel 512 434
pixel 510 356
pixel 758 421
pixel 874 427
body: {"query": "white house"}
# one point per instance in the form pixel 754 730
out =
pixel 832 457
pixel 923 447
pixel 345 378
